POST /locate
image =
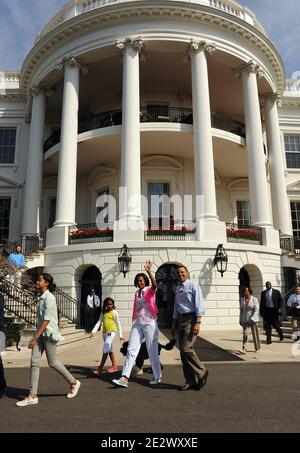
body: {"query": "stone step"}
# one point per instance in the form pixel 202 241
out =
pixel 286 324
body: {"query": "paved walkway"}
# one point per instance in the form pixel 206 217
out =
pixel 88 351
pixel 237 398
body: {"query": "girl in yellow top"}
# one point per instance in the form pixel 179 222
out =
pixel 111 324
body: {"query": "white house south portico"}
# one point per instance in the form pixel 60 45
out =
pixel 172 99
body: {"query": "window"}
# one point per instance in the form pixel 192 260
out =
pixel 243 213
pixel 4 218
pixel 295 212
pixel 159 112
pixel 158 215
pixel 7 145
pixel 292 150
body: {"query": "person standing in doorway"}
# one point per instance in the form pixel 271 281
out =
pixel 17 262
pixel 270 309
pixel 249 319
pixel 93 301
pixel 187 315
pixel 46 339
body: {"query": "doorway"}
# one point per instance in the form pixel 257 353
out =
pixel 167 281
pixel 91 279
pixel 244 279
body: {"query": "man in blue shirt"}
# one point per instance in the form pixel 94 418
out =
pixel 188 310
pixel 17 262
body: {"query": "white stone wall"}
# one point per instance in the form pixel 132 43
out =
pixel 221 294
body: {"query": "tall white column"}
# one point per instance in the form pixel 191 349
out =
pixel 280 203
pixel 203 144
pixel 66 186
pixel 34 170
pixel 259 198
pixel 130 225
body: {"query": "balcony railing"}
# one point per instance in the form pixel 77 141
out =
pixel 76 7
pixel 89 233
pixel 28 244
pixel 244 234
pixel 290 244
pixel 173 232
pixel 156 115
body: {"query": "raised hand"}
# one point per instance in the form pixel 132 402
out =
pixel 147 265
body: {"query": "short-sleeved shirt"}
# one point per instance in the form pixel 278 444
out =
pixel 17 259
pixel 47 311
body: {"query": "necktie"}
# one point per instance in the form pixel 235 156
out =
pixel 94 305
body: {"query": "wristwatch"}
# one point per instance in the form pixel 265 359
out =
pixel 197 322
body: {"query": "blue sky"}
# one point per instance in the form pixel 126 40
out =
pixel 21 20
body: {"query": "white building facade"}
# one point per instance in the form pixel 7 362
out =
pixel 164 98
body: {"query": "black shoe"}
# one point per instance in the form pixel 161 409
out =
pixel 201 382
pixel 3 388
pixel 185 387
pixel 269 342
pixel 281 337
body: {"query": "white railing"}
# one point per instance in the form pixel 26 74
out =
pixel 293 86
pixel 77 7
pixel 87 5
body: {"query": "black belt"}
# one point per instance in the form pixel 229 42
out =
pixel 185 315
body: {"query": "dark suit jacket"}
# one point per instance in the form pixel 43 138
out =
pixel 277 301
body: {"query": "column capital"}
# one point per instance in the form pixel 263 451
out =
pixel 198 46
pixel 35 90
pixel 275 97
pixel 135 43
pixel 72 61
pixel 250 67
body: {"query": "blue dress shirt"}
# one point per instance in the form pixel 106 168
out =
pixel 188 299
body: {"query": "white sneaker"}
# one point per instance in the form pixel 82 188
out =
pixel 27 401
pixel 155 381
pixel 122 382
pixel 74 389
pixel 140 372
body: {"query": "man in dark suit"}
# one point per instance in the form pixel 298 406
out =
pixel 270 309
pixel 2 377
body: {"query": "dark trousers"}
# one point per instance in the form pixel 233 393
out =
pixel 271 319
pixel 193 369
pixel 2 377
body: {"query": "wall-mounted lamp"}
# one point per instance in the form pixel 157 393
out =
pixel 124 260
pixel 221 259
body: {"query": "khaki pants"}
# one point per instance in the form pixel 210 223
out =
pixel 193 369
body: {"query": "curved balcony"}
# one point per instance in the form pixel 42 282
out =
pixel 77 7
pixel 153 115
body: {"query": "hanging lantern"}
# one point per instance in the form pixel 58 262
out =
pixel 124 260
pixel 221 259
